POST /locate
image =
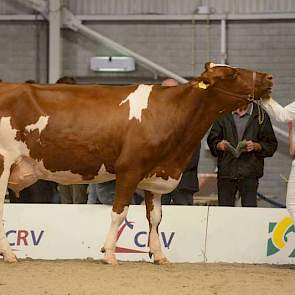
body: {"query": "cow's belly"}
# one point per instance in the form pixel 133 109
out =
pixel 155 184
pixel 67 177
pixel 159 185
pixel 26 171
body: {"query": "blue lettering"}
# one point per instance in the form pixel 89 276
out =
pixel 167 243
pixel 36 241
pixel 129 224
pixel 11 232
pixel 136 239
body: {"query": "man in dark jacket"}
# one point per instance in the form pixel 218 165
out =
pixel 240 170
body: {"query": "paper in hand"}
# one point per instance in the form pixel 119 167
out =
pixel 236 152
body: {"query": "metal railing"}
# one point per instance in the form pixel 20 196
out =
pixel 270 201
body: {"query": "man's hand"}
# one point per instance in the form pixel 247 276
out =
pixel 222 145
pixel 290 125
pixel 252 146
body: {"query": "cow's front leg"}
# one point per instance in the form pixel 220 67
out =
pixel 110 244
pixel 5 249
pixel 154 216
pixel 125 187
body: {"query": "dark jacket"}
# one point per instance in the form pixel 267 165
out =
pixel 189 179
pixel 249 164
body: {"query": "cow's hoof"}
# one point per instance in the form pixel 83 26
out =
pixel 162 261
pixel 11 258
pixel 110 261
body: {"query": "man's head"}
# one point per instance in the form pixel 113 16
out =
pixel 30 81
pixel 170 82
pixel 66 80
pixel 242 109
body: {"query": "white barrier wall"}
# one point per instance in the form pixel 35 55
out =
pixel 250 235
pixel 187 234
pixel 78 231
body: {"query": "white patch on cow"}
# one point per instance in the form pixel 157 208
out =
pixel 138 101
pixel 103 175
pixel 10 148
pixel 155 219
pixel 158 184
pixel 40 124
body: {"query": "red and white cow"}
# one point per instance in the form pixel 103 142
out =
pixel 142 135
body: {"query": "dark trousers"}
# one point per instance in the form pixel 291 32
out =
pixel 178 197
pixel 227 189
pixel 73 193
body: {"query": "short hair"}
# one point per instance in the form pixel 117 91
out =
pixel 66 80
pixel 170 82
pixel 30 81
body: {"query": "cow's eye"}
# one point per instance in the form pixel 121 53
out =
pixel 234 76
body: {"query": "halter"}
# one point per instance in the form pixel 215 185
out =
pixel 248 97
pixel 258 102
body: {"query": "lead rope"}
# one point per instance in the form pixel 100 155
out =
pixel 260 111
pixel 258 102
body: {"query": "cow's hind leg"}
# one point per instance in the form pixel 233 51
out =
pixel 125 186
pixel 5 249
pixel 154 216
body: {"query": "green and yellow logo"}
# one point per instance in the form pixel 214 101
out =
pixel 279 236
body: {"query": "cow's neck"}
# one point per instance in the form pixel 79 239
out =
pixel 213 105
pixel 205 107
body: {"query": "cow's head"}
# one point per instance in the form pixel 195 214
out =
pixel 237 81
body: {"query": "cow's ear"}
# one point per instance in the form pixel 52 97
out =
pixel 212 75
pixel 209 65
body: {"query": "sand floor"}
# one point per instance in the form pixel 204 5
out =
pixel 92 277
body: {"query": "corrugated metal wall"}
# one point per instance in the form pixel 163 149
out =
pixel 159 6
pixel 13 7
pixel 177 6
pixel 251 6
pixel 133 6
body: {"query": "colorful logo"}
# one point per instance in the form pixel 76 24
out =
pixel 280 231
pixel 139 239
